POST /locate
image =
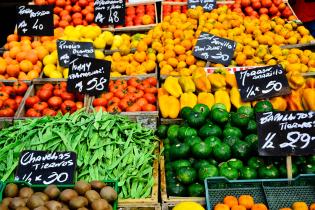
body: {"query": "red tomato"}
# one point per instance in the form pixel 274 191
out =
pixel 287 12
pixel 277 2
pixel 58 92
pixel 121 93
pixel 30 101
pixel 44 94
pixel 55 102
pixel 19 87
pixel 113 100
pixel 6 112
pixel 3 95
pixel 8 89
pixel 67 96
pixel 273 10
pixel 11 103
pixel 263 11
pixel 266 3
pixel 68 106
pixel 281 6
pixel 141 102
pixel 77 21
pixel 114 108
pixel 248 10
pixel 149 107
pixel 77 15
pixel 60 3
pixel 89 17
pixel 49 112
pixel 245 3
pixel 99 102
pixel 150 89
pixel 130 11
pixel 124 103
pixel 150 98
pixel 138 94
pixel 18 100
pixel 76 8
pixel 100 108
pixel 131 89
pixel 51 1
pixel 83 3
pixel 40 106
pixel 48 86
pixel 134 108
pixel 152 81
pixel 68 8
pixel 121 83
pixel 57 10
pixel 32 113
pixel 256 5
pixel 107 96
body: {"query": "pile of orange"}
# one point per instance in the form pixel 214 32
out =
pixel 244 202
pixel 300 205
pixel 23 56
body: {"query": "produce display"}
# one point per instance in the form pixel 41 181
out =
pixel 132 95
pixel 140 15
pixel 94 195
pixel 215 142
pixel 108 147
pixel 254 8
pixel 258 40
pixel 11 96
pixel 169 8
pixel 242 203
pixel 70 12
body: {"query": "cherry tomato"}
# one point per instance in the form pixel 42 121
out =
pixel 55 102
pixel 30 101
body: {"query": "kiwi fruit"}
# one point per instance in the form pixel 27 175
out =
pixel 52 191
pixel 42 195
pixel 6 201
pixel 97 185
pixel 41 208
pixel 53 205
pixel 26 192
pixel 108 193
pixel 35 201
pixel 92 195
pixel 67 195
pixel 78 202
pixel 81 187
pixel 22 208
pixel 100 204
pixel 16 203
pixel 11 190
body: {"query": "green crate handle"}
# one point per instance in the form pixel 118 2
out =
pixel 111 183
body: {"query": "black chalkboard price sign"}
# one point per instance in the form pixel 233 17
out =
pixel 42 167
pixel 67 48
pixel 88 75
pixel 34 20
pixel 213 48
pixel 262 82
pixel 109 12
pixel 207 5
pixel 286 133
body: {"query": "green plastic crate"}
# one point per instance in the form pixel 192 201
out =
pixel 274 193
pixel 113 184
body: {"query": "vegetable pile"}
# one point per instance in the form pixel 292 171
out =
pixel 108 147
pixel 95 195
pixel 217 143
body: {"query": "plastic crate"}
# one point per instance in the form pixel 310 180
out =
pixel 275 193
pixel 113 184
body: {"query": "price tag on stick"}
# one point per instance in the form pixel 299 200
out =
pixel 207 5
pixel 88 75
pixel 262 82
pixel 109 12
pixel 215 49
pixel 42 167
pixel 34 20
pixel 66 49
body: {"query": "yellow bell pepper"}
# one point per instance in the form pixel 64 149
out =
pixel 222 96
pixel 187 84
pixel 172 86
pixel 162 91
pixel 294 101
pixel 296 80
pixel 231 80
pixel 308 99
pixel 279 103
pixel 198 73
pixel 169 106
pixel 188 99
pixel 202 84
pixel 310 83
pixel 217 81
pixel 236 99
pixel 206 98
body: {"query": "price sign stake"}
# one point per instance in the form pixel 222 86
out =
pixel 42 167
pixel 215 49
pixel 34 20
pixel 262 82
pixel 109 12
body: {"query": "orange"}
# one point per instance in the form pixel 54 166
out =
pixel 142 46
pixel 169 54
pixel 32 75
pixel 26 47
pixel 180 50
pixel 178 34
pixel 221 206
pixel 3 65
pixel 299 206
pixel 285 209
pixel 22 76
pixel 26 65
pixel 146 20
pixel 140 56
pixel 246 200
pixel 32 56
pixel 238 208
pixel 20 56
pixel 35 44
pixel 41 52
pixel 14 51
pixel 13 70
pixel 181 58
pixel 12 37
pixel 312 206
pixel 259 206
pixel 230 201
pixel 201 63
pixel 26 38
pixel 14 44
pixel 172 61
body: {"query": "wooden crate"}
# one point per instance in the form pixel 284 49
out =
pixel 139 207
pixel 170 205
pixel 168 201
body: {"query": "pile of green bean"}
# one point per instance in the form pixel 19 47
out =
pixel 107 146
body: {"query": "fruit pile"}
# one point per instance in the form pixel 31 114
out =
pixel 132 95
pixel 11 97
pixel 169 9
pixel 140 15
pixel 95 195
pixel 300 205
pixel 255 8
pixel 218 143
pixel 23 56
pixel 74 12
pixel 50 99
pixel 258 40
pixel 242 203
